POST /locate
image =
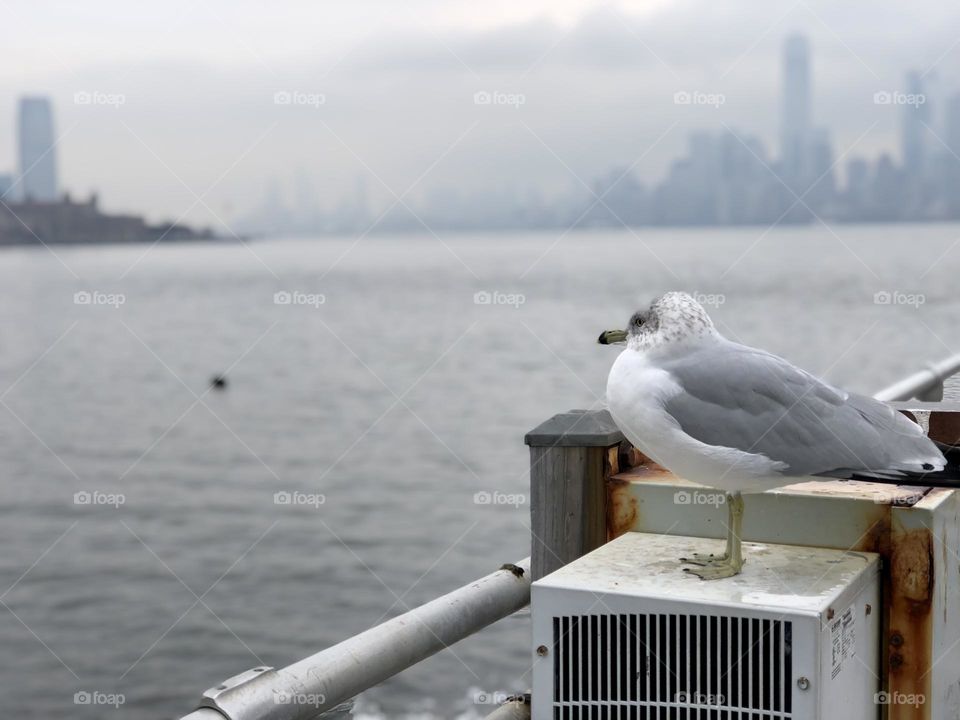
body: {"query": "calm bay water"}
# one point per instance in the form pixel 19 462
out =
pixel 398 399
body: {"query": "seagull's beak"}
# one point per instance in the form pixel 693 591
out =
pixel 611 337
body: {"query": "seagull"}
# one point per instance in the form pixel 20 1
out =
pixel 742 420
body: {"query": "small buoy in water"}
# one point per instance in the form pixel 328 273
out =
pixel 218 382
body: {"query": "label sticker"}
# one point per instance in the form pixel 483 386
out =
pixel 842 640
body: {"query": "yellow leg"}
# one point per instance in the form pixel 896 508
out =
pixel 714 567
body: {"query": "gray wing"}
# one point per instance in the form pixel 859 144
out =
pixel 739 397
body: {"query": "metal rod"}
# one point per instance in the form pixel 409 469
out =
pixel 333 676
pixel 203 714
pixel 927 384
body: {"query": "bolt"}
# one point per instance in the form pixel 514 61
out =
pixel 868 609
pixel 896 660
pixel 803 683
pixel 896 639
pixel 542 650
pixel 830 613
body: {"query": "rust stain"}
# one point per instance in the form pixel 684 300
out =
pixel 623 509
pixel 945 427
pixel 910 633
pixel 632 459
pixel 877 537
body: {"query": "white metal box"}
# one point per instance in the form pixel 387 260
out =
pixel 624 633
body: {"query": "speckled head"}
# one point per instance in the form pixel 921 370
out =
pixel 672 318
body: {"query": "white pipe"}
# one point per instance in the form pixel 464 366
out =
pixel 925 385
pixel 332 676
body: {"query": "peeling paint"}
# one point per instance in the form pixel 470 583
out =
pixel 911 584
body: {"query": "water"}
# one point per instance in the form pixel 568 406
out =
pixel 398 399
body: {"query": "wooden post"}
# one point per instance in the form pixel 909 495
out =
pixel 571 456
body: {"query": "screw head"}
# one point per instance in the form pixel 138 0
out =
pixel 803 683
pixel 542 650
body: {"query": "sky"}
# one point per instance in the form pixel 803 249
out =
pixel 185 114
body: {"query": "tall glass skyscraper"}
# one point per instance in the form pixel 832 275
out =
pixel 916 121
pixel 38 162
pixel 795 118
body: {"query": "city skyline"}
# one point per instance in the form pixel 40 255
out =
pixel 293 197
pixel 725 178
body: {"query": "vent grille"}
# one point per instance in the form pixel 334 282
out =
pixel 671 667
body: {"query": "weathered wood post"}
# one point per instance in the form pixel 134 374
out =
pixel 571 456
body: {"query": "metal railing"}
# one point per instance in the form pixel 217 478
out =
pixel 325 680
pixel 925 385
pixel 333 676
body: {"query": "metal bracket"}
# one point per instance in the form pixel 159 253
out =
pixel 239 697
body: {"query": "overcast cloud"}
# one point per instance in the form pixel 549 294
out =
pixel 199 80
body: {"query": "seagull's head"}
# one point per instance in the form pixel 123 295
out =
pixel 672 318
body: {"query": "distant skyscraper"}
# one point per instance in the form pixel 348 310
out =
pixel 951 124
pixel 916 119
pixel 38 164
pixel 795 118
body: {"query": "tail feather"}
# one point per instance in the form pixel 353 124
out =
pixel 948 477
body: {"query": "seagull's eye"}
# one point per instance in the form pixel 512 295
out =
pixel 638 321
